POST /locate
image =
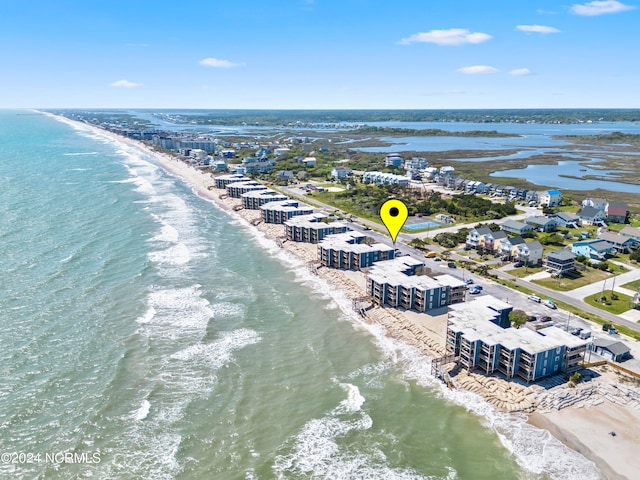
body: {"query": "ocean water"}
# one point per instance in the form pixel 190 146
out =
pixel 146 334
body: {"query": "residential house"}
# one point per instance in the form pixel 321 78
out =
pixel 611 349
pixel 631 232
pixel 591 216
pixel 597 250
pixel 509 247
pixel 531 196
pixel 416 163
pixel 498 238
pixel 285 175
pixel 597 203
pixel 550 198
pixel 530 253
pixel 475 238
pixel 560 261
pixel 380 178
pixel 616 212
pixel 566 219
pixel 515 227
pixel 542 223
pixel 393 160
pixel 340 172
pixel 309 161
pixel 621 243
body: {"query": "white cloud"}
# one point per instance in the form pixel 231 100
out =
pixel 520 72
pixel 452 36
pixel 592 9
pixel 125 84
pixel 537 29
pixel 477 69
pixel 218 63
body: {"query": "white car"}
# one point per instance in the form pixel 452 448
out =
pixel 534 298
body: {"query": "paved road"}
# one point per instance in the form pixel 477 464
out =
pixel 573 298
pixel 569 298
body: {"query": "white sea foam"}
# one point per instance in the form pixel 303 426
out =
pixel 143 411
pixel 530 450
pixel 178 254
pixel 79 154
pixel 530 446
pixel 147 316
pixel 318 452
pixel 167 234
pixel 177 312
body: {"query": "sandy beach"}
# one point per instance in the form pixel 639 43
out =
pixel 583 428
pixel 588 431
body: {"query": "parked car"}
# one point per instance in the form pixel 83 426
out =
pixel 451 264
pixel 576 331
pixel 437 259
pixel 545 319
pixel 549 304
pixel 468 281
pixel 531 318
pixel 518 264
pixel 534 298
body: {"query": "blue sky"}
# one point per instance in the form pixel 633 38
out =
pixel 319 54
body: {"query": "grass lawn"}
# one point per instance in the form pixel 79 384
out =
pixel 632 285
pixel 580 279
pixel 525 271
pixel 616 306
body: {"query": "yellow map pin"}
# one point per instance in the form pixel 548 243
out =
pixel 393 214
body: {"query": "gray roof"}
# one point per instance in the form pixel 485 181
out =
pixel 539 220
pixel 483 230
pixel 614 346
pixel 534 245
pixel 563 254
pixel 615 238
pixel 514 224
pixel 499 235
pixel 600 245
pixel 517 240
pixel 588 212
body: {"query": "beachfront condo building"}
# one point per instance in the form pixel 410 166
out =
pixel 351 251
pixel 221 181
pixel 280 212
pixel 236 189
pixel 477 341
pixel 399 283
pixel 312 228
pixel 253 200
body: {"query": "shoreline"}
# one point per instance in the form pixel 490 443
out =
pixel 402 326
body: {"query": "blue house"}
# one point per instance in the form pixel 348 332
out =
pixel 593 249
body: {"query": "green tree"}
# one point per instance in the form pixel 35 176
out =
pixel 517 318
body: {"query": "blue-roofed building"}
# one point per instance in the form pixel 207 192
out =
pixel 550 198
